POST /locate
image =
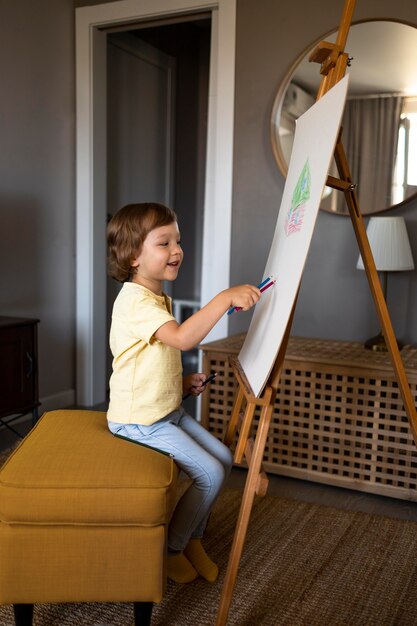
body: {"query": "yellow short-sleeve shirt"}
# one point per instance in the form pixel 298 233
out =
pixel 146 383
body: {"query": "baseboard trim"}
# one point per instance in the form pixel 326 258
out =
pixel 61 400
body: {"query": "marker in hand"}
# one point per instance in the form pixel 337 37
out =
pixel 266 284
pixel 203 384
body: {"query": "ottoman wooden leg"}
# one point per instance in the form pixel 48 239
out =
pixel 143 613
pixel 23 614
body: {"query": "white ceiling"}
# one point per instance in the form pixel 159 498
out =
pixel 384 60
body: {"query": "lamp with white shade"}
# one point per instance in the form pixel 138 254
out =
pixel 391 250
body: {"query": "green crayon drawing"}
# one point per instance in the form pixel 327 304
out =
pixel 301 194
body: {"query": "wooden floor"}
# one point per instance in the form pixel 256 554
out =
pixel 290 488
pixel 338 497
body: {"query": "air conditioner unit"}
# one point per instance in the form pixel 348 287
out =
pixel 297 101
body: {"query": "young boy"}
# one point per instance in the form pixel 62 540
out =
pixel 146 385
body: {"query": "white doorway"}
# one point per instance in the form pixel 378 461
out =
pixel 140 132
pixel 157 107
pixel 93 24
pixel 140 127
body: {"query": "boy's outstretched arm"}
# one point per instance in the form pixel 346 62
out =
pixel 191 332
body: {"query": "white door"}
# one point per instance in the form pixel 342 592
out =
pixel 140 119
pixel 140 88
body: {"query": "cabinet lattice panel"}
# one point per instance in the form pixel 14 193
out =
pixel 338 416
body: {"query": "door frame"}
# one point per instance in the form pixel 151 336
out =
pixel 91 39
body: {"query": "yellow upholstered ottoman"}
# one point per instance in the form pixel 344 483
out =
pixel 83 517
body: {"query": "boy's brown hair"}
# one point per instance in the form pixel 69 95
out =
pixel 127 231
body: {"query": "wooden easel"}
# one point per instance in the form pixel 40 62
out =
pixel 333 62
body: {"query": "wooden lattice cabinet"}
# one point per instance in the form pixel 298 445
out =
pixel 338 416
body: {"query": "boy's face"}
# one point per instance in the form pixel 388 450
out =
pixel 160 257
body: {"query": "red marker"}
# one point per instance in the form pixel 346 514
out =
pixel 268 286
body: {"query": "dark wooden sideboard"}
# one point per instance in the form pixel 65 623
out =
pixel 338 416
pixel 19 391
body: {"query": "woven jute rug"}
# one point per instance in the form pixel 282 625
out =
pixel 303 565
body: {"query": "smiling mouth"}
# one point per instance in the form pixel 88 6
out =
pixel 174 264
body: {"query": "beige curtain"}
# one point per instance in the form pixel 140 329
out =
pixel 370 135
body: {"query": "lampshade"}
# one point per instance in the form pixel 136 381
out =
pixel 390 245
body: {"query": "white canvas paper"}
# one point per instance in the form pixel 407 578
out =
pixel 314 144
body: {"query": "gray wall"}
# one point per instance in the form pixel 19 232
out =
pixel 37 196
pixel 37 205
pixel 334 300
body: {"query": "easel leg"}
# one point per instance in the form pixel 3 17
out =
pixel 231 429
pixel 376 289
pixel 244 433
pixel 244 514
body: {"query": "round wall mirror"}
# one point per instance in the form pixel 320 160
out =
pixel 380 118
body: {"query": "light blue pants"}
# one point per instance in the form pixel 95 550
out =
pixel 205 459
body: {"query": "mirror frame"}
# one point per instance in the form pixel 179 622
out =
pixel 279 101
pixel 276 111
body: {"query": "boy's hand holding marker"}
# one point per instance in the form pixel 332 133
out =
pixel 263 286
pixel 197 384
pixel 243 296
